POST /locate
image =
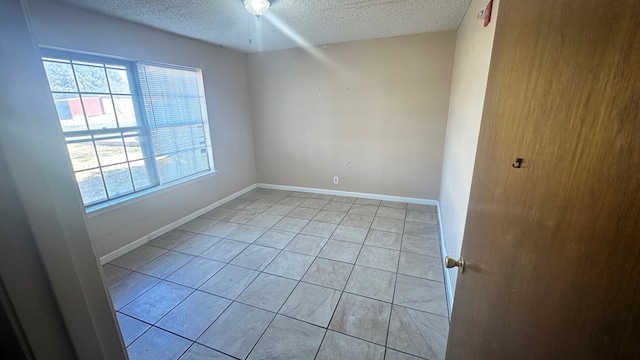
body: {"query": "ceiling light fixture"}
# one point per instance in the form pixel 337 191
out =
pixel 257 7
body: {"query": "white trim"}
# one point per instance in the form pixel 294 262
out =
pixel 443 254
pixel 123 250
pixel 165 229
pixel 350 193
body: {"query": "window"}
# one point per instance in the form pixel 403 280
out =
pixel 129 126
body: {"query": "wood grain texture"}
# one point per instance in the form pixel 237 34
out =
pixel 554 247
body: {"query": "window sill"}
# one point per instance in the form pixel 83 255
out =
pixel 95 210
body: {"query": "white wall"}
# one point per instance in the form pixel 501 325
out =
pixel 371 112
pixel 471 69
pixel 227 96
pixel 382 104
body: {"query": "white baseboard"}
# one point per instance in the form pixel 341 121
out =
pixel 123 250
pixel 350 193
pixel 447 279
pixel 165 229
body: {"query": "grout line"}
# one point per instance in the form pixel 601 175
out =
pixel 395 283
pixel 154 324
pixel 261 272
pixel 298 283
pixel 346 282
pixel 135 318
pixel 280 251
pixel 193 291
pixel 305 273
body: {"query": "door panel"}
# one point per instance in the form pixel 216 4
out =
pixel 553 248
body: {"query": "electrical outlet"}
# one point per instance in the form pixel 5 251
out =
pixel 335 179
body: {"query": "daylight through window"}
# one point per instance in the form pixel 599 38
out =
pixel 129 126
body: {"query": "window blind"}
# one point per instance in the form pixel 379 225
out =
pixel 172 102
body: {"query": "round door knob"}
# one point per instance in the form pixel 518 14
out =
pixel 450 262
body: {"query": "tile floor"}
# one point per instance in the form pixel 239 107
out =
pixel 287 275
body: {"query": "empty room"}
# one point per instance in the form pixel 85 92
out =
pixel 287 179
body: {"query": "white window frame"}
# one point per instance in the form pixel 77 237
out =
pixel 132 70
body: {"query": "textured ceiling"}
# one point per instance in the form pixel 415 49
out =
pixel 289 23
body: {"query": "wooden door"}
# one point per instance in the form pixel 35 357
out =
pixel 553 248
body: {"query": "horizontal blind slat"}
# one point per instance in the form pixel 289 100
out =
pixel 172 101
